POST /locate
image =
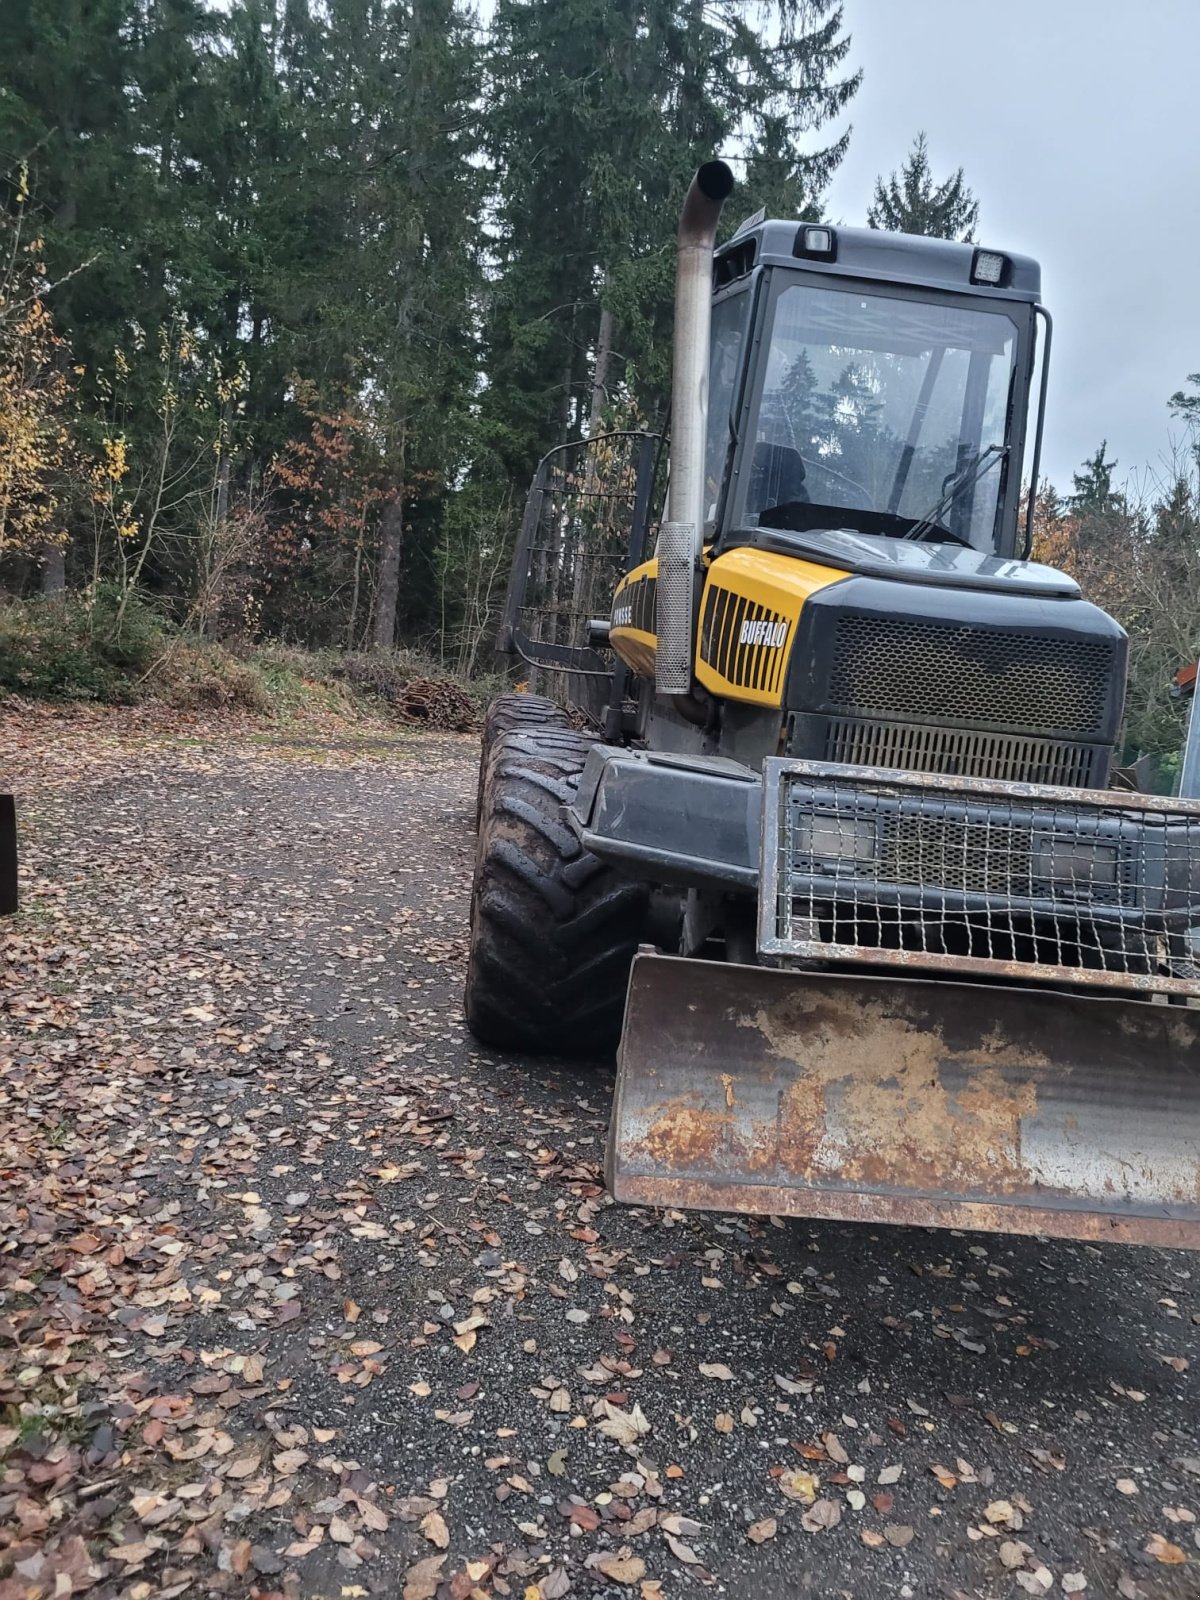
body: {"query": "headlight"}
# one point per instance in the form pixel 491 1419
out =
pixel 1076 863
pixel 827 837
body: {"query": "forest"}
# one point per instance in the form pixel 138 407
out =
pixel 294 294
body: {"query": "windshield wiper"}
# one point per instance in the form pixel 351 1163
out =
pixel 965 478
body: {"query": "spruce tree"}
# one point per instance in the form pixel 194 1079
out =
pixel 911 202
pixel 599 117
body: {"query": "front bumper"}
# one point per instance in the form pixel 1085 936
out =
pixel 686 821
pixel 886 869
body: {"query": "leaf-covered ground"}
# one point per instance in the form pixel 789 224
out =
pixel 305 1294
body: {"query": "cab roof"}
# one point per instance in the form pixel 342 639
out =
pixel 904 258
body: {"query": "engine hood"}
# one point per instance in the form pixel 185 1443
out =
pixel 952 566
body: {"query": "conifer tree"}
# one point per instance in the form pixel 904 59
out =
pixel 911 202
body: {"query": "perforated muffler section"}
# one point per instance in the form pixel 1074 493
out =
pixel 676 573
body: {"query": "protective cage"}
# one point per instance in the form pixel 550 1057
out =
pixel 979 877
pixel 585 524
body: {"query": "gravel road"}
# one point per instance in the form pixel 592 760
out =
pixel 306 1294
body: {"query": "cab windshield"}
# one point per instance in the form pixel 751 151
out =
pixel 890 413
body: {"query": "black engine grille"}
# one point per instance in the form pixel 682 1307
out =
pixel 932 671
pixel 1007 757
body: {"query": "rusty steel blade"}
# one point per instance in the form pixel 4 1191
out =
pixel 880 1099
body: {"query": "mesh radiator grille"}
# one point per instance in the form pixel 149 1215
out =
pixel 902 667
pixel 913 747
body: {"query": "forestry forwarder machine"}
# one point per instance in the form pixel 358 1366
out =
pixel 844 850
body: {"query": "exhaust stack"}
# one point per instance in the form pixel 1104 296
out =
pixel 681 536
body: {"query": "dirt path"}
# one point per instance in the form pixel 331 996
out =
pixel 305 1294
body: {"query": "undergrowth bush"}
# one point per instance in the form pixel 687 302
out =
pixel 61 647
pixel 69 647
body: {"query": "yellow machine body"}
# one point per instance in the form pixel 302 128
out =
pixel 749 608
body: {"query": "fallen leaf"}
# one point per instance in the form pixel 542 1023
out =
pixel 889 1475
pixel 1170 1555
pixel 1126 1486
pixel 373 1517
pixel 872 1540
pixel 621 1569
pixel 822 1514
pixel 626 1427
pixel 682 1527
pixel 682 1552
pixel 583 1516
pixel 716 1369
pixel 898 1534
pixel 435 1530
pixel 422 1579
pixel 760 1532
pixel 1074 1582
pixel 1011 1554
pixel 998 1511
pixel 724 1422
pixel 795 1386
pixel 1039 1581
pixel 800 1486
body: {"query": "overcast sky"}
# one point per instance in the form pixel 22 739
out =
pixel 1076 123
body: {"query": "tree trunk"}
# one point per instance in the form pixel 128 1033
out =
pixel 604 344
pixel 54 570
pixel 387 594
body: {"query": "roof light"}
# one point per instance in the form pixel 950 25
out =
pixel 989 268
pixel 819 242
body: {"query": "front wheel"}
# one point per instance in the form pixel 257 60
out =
pixel 513 713
pixel 553 928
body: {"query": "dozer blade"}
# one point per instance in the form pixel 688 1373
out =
pixel 875 1099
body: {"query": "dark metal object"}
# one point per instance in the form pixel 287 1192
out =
pixel 8 855
pixel 983 663
pixel 887 1100
pixel 864 254
pixel 978 878
pixel 924 747
pixel 674 819
pixel 585 522
pixel 681 534
pixel 1036 465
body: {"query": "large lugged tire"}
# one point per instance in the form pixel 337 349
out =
pixel 513 713
pixel 553 928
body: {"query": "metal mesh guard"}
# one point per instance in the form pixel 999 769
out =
pixel 676 566
pixel 976 876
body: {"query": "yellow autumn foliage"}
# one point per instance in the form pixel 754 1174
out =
pixel 36 459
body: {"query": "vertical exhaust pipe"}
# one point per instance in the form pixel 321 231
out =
pixel 681 536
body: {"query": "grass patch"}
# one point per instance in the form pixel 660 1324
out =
pixel 72 648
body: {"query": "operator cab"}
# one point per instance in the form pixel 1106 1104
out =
pixel 869 385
